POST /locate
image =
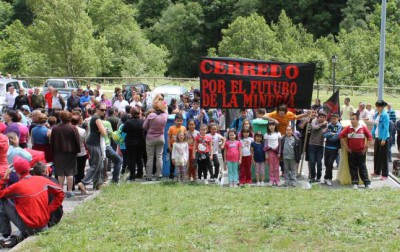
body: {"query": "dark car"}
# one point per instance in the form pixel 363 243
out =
pixel 140 87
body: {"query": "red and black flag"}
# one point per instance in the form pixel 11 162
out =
pixel 332 105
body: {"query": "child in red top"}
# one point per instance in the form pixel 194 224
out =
pixel 354 140
pixel 201 152
pixel 233 157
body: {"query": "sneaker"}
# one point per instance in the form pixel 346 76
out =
pixel 70 194
pixel 318 180
pixel 312 180
pixel 206 182
pixel 355 186
pixel 368 187
pixel 258 184
pixel 374 174
pixel 235 185
pixel 262 184
pixel 328 182
pixel 384 178
pixel 10 241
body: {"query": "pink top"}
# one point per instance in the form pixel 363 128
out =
pixel 155 125
pixel 3 155
pixel 232 150
pixel 24 133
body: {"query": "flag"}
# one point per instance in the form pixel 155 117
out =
pixel 331 106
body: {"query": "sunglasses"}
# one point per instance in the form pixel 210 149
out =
pixel 103 110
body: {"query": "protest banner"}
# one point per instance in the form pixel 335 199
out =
pixel 244 83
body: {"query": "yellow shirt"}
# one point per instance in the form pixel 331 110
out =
pixel 283 120
pixel 173 132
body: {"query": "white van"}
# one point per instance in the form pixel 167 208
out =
pixel 169 92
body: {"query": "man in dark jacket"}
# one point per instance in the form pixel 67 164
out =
pixel 37 99
pixel 73 101
pixel 21 100
pixel 26 203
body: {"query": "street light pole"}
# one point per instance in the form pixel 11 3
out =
pixel 334 60
pixel 382 51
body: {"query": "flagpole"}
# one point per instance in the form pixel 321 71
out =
pixel 382 51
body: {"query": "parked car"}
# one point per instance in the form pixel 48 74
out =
pixel 62 83
pixel 169 92
pixel 140 87
pixel 64 86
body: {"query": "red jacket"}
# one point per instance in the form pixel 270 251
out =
pixel 49 99
pixel 356 137
pixel 31 199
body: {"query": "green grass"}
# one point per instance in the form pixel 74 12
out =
pixel 171 217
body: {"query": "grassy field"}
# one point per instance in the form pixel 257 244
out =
pixel 172 217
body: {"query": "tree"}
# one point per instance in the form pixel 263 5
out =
pixel 355 14
pixel 22 12
pixel 62 36
pixel 132 53
pixel 249 37
pixel 180 29
pixel 13 48
pixel 6 12
pixel 149 12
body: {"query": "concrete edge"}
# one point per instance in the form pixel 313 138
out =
pixel 24 245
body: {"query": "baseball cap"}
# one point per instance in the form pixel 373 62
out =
pixel 26 107
pixel 21 165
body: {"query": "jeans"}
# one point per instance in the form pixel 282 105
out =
pixel 330 156
pixel 112 155
pixel 96 166
pixel 124 160
pixel 233 171
pixel 290 168
pixel 315 154
pixel 154 148
pixel 357 166
pixel 9 214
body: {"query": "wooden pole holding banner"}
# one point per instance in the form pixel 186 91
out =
pixel 303 152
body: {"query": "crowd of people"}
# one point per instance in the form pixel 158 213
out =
pixel 125 135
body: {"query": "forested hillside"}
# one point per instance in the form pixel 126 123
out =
pixel 168 38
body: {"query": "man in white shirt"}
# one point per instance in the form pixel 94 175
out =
pixel 10 97
pixel 346 110
pixel 363 112
pixel 120 104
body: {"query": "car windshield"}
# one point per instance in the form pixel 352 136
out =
pixel 55 83
pixel 168 97
pixel 25 84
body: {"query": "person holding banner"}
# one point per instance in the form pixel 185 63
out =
pixel 282 117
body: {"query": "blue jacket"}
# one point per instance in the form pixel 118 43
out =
pixel 383 126
pixel 332 136
pixel 193 114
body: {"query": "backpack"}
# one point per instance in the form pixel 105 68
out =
pixel 117 136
